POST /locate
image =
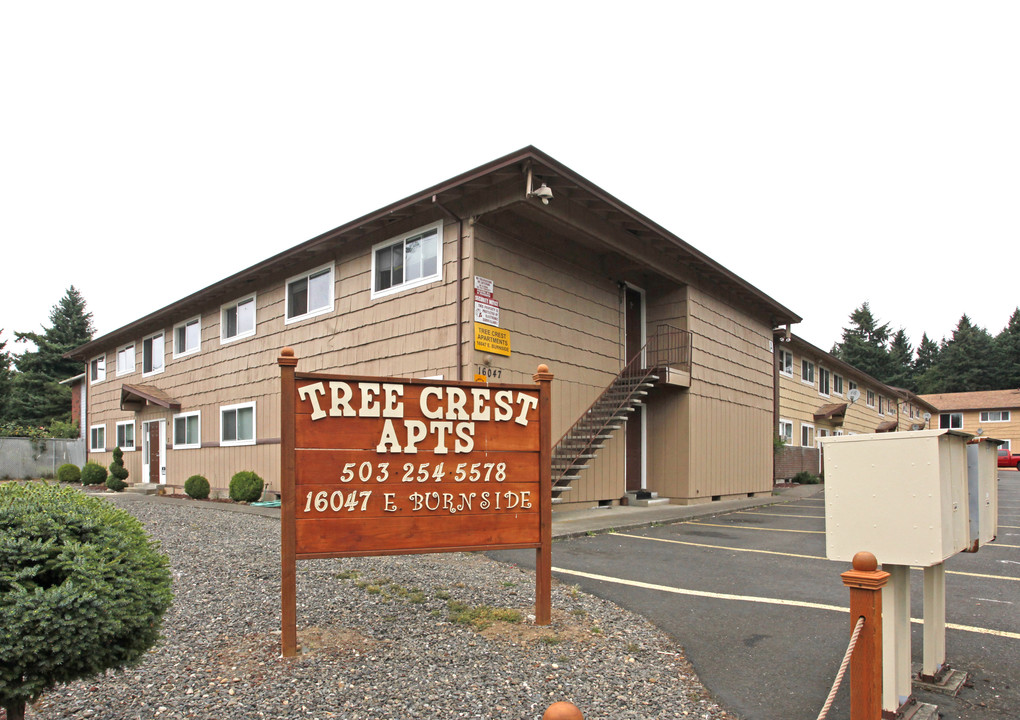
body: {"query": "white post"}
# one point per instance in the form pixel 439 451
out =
pixel 896 681
pixel 934 657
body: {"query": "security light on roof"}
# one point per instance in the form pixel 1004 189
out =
pixel 543 193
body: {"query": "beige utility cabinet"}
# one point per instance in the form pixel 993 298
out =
pixel 902 496
pixel 983 485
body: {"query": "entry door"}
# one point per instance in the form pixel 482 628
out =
pixel 153 449
pixel 634 332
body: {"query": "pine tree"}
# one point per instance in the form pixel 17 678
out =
pixel 967 362
pixel 37 397
pixel 901 356
pixel 5 380
pixel 1008 345
pixel 865 344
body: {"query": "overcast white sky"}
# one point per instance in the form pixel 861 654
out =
pixel 827 153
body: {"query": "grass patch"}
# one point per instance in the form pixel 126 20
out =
pixel 480 617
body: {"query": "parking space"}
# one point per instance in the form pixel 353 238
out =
pixel 763 616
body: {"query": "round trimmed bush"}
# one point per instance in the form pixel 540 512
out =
pixel 196 487
pixel 69 473
pixel 246 486
pixel 93 474
pixel 82 589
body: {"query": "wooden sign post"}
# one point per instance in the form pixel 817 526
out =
pixel 390 466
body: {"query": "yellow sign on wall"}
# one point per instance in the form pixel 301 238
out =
pixel 492 339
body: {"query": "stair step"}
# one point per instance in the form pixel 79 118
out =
pixel 561 488
pixel 143 488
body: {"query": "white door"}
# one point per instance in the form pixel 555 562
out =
pixel 154 452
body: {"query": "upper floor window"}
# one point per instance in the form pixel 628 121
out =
pixel 871 398
pixel 951 421
pixel 823 381
pixel 995 416
pixel 407 261
pixel 807 371
pixel 237 319
pixel 188 337
pixel 785 362
pixel 126 360
pixel 310 294
pixel 152 354
pixel 97 369
pixel 881 404
pixel 837 384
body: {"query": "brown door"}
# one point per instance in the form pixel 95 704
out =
pixel 153 449
pixel 635 422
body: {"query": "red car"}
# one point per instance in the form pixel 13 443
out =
pixel 1008 459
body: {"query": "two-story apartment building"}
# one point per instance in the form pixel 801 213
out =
pixel 819 395
pixel 568 276
pixel 990 413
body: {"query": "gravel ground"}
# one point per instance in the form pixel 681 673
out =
pixel 380 640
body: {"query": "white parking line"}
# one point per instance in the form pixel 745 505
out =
pixel 765 601
pixel 780 515
pixel 752 527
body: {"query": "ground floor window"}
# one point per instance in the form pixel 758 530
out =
pixel 237 424
pixel 97 438
pixel 786 431
pixel 126 435
pixel 807 435
pixel 187 431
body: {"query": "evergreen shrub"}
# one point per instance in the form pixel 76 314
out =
pixel 246 486
pixel 196 487
pixel 806 478
pixel 69 473
pixel 82 589
pixel 93 474
pixel 117 468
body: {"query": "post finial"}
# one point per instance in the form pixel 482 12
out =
pixel 562 711
pixel 865 561
pixel 287 358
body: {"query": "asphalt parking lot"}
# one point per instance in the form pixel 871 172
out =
pixel 764 618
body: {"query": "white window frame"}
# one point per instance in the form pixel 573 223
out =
pixel 100 372
pixel 805 366
pixel 787 438
pixel 177 352
pixel 785 361
pixel 987 416
pixel 234 409
pixel 95 446
pixel 310 312
pixel 869 398
pixel 950 416
pixel 186 445
pixel 134 442
pixel 129 367
pixel 403 238
pixel 807 426
pixel 826 375
pixel 226 307
pixel 161 355
pixel 837 384
pixel 890 406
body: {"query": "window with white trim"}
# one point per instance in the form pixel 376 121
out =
pixel 786 431
pixel 237 424
pixel 995 416
pixel 785 362
pixel 807 372
pixel 188 337
pixel 126 435
pixel 837 384
pixel 237 319
pixel 807 435
pixel 97 369
pixel 881 405
pixel 408 261
pixel 187 431
pixel 823 381
pixel 871 398
pixel 851 385
pixel 310 294
pixel 152 354
pixel 97 438
pixel 126 360
pixel 950 421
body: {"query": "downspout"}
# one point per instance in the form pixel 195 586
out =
pixel 460 283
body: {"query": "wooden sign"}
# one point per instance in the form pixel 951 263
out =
pixel 386 466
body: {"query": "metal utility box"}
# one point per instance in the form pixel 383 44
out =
pixel 983 488
pixel 902 496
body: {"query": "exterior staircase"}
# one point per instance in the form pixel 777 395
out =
pixel 579 446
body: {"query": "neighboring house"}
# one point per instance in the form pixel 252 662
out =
pixel 557 270
pixel 816 400
pixel 991 413
pixel 78 398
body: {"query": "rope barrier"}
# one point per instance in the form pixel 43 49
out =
pixel 842 669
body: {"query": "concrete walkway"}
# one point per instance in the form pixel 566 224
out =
pixel 566 523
